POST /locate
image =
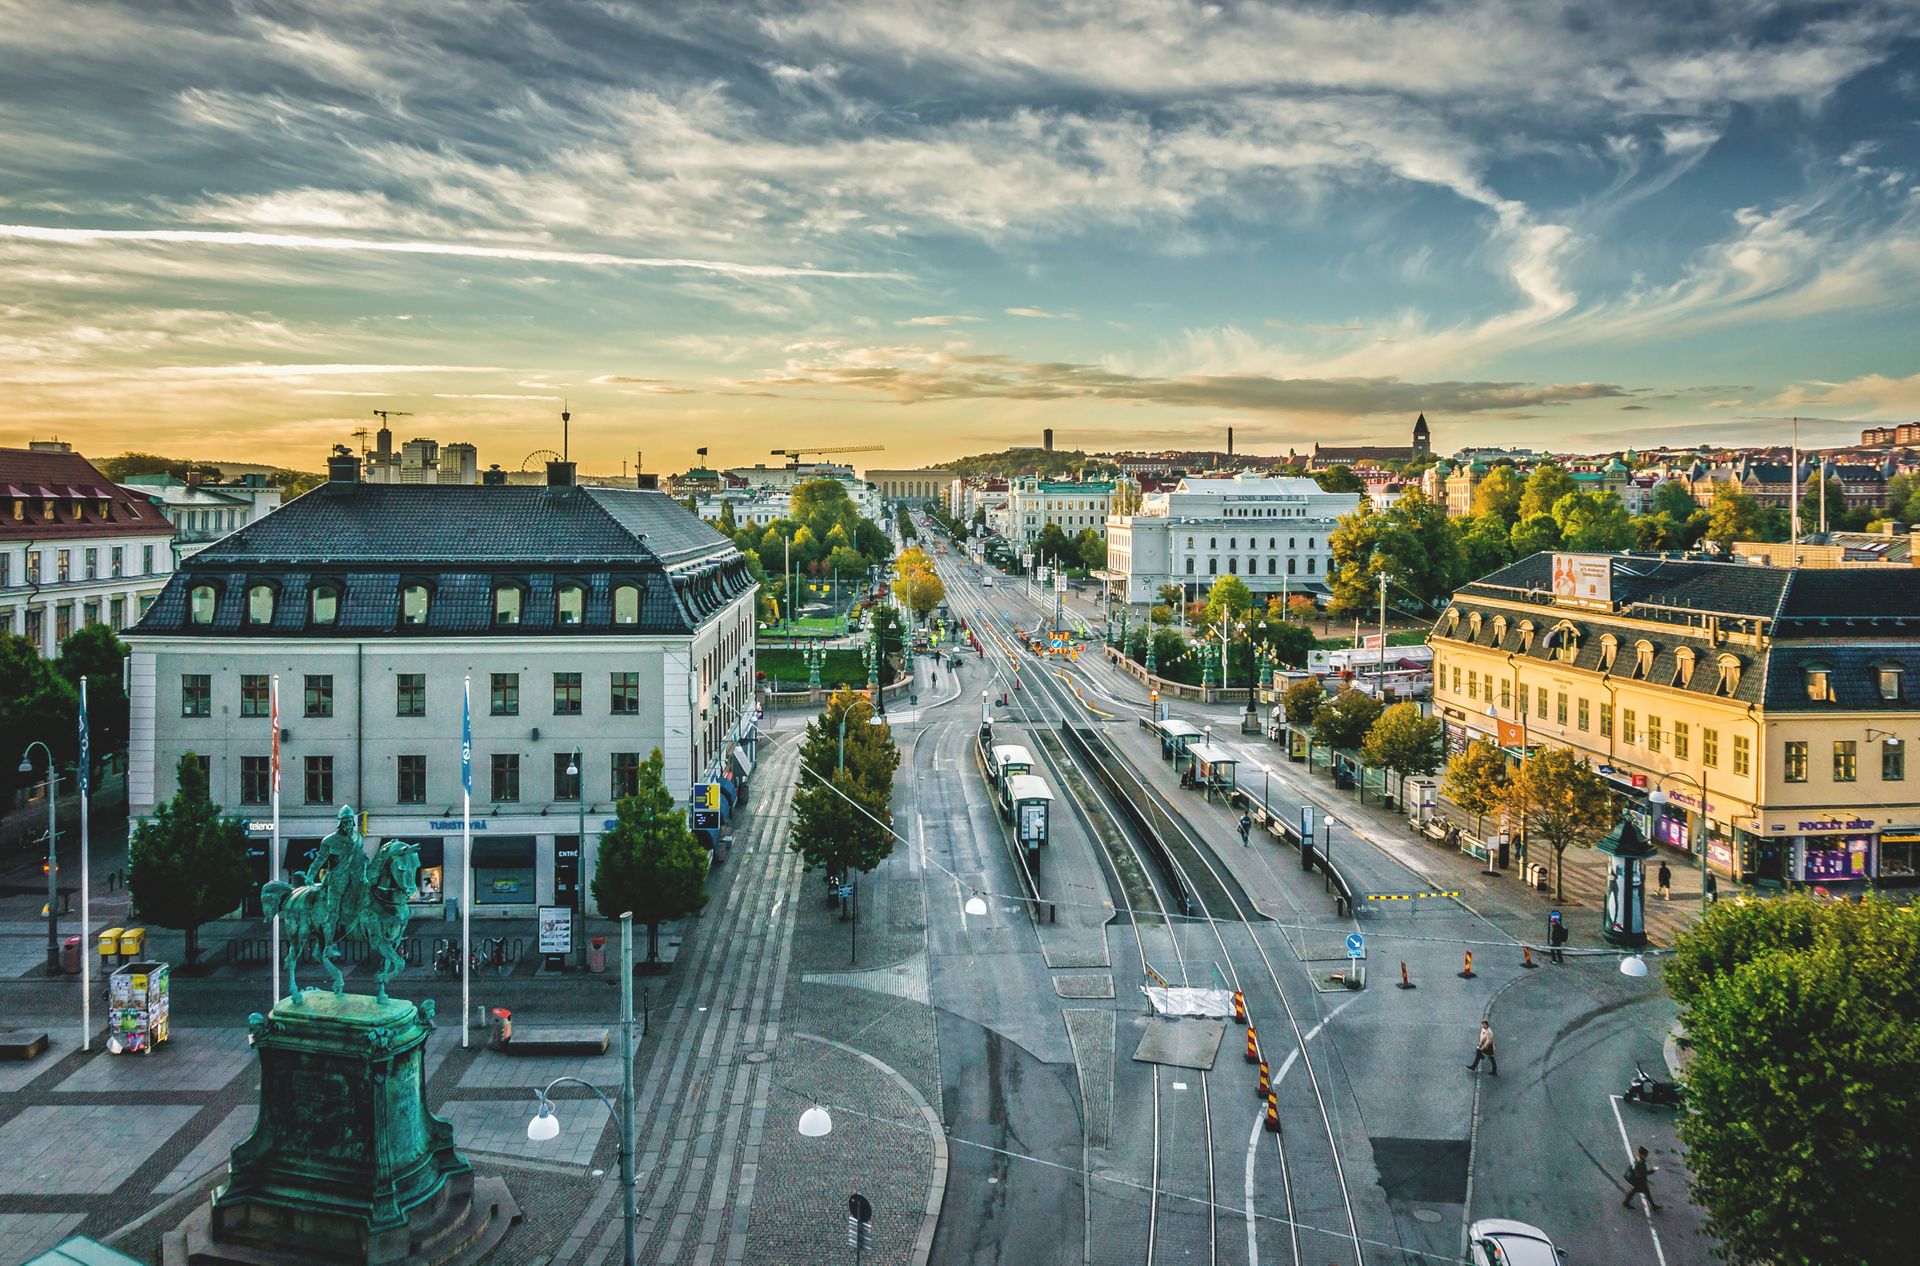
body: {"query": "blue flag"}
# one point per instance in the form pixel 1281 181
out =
pixel 466 736
pixel 84 761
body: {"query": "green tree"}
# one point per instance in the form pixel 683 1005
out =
pixel 1288 642
pixel 1498 496
pixel 1732 515
pixel 1341 723
pixel 649 862
pixel 1412 540
pixel 188 864
pixel 1485 545
pixel 728 524
pixel 1403 741
pixel 1054 545
pixel 1558 799
pixel 1593 521
pixel 1301 701
pixel 1833 492
pixel 1091 549
pixel 35 703
pixel 1672 496
pixel 1534 533
pixel 1476 780
pixel 96 654
pixel 1170 596
pixel 1228 600
pixel 1338 479
pixel 1803 1093
pixel 842 807
pixel 1546 485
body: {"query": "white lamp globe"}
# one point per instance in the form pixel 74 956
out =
pixel 815 1122
pixel 1633 965
pixel 544 1126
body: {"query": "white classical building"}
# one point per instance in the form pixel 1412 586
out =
pixel 595 624
pixel 1272 533
pixel 1075 506
pixel 75 548
pixel 202 512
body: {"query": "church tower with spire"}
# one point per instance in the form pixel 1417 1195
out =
pixel 1422 439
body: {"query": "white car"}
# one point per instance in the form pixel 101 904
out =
pixel 986 582
pixel 1503 1242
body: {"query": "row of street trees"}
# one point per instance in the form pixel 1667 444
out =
pixel 39 699
pixel 916 582
pixel 823 535
pixel 1397 739
pixel 1553 796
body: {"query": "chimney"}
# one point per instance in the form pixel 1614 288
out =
pixel 343 467
pixel 560 474
pixel 493 477
pixel 1229 441
pixel 1046 437
pixel 646 482
pixel 195 478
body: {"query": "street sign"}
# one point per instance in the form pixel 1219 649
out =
pixel 859 1223
pixel 706 806
pixel 844 890
pixel 1356 945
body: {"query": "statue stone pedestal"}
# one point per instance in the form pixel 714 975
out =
pixel 346 1164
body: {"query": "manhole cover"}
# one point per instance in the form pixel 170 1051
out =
pixel 1425 1215
pixel 760 1057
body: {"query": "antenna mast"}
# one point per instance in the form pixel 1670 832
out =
pixel 566 419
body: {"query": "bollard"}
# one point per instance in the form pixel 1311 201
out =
pixel 1526 957
pixel 1253 1046
pixel 1266 1082
pixel 1466 973
pixel 1405 983
pixel 1273 1113
pixel 1240 1006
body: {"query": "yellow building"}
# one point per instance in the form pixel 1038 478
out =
pixel 1772 705
pixel 921 484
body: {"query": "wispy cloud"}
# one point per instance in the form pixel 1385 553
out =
pixel 1042 314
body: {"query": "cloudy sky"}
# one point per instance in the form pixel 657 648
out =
pixel 234 230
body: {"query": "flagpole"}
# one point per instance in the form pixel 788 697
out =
pixel 273 859
pixel 466 858
pixel 86 926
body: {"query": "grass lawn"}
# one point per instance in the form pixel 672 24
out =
pixel 807 626
pixel 842 668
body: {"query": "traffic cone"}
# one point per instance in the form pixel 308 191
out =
pixel 1266 1083
pixel 1253 1046
pixel 1273 1113
pixel 1466 973
pixel 1405 983
pixel 1240 1006
pixel 1526 957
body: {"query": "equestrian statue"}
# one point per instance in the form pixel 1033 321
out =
pixel 342 895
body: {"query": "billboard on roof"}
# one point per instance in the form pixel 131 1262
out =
pixel 1583 577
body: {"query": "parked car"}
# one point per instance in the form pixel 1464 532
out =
pixel 1503 1242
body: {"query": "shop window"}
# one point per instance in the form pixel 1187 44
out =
pixel 503 870
pixel 200 602
pixel 1893 761
pixel 1846 760
pixel 254 689
pixel 1795 765
pixel 411 779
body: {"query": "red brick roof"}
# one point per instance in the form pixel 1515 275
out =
pixel 29 480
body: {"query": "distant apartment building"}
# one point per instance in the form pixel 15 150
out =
pixel 201 511
pixel 1901 433
pixel 421 461
pixel 784 478
pixel 1075 506
pixel 918 487
pixel 75 548
pixel 1272 533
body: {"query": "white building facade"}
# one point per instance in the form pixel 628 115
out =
pixel 1076 507
pixel 642 638
pixel 1272 533
pixel 202 513
pixel 75 548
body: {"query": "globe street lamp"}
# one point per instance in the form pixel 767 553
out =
pixel 53 857
pixel 1659 799
pixel 545 1125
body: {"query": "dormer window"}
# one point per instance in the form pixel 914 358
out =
pixel 1819 683
pixel 323 604
pixel 1643 660
pixel 626 604
pixel 1729 681
pixel 415 602
pixel 260 604
pixel 1564 641
pixel 200 604
pixel 1682 667
pixel 1892 685
pixel 570 604
pixel 1473 627
pixel 506 604
pixel 1526 636
pixel 1609 651
pixel 1499 629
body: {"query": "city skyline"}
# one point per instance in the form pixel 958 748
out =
pixel 1564 226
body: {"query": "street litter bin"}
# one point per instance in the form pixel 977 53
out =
pixel 109 945
pixel 70 955
pixel 501 1030
pixel 597 954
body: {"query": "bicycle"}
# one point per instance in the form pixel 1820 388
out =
pixel 446 957
pixel 491 952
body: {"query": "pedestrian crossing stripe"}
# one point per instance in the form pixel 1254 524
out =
pixel 1407 896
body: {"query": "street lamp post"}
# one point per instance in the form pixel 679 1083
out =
pixel 53 855
pixel 1659 799
pixel 576 769
pixel 545 1125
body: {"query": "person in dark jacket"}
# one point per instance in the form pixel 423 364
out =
pixel 1556 937
pixel 1637 1175
pixel 1666 882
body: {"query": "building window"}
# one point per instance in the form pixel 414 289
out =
pixel 414 605
pixel 1560 707
pixel 1710 748
pixel 1729 676
pixel 319 780
pixel 116 613
pixel 1682 667
pixel 626 694
pixel 146 560
pixel 1796 763
pixel 1893 761
pixel 1473 683
pixel 196 695
pixel 1680 744
pixel 1456 680
pixel 1846 760
pixel 1627 726
pixel 1213 567
pixel 1643 660
pixel 1540 702
pixel 63 622
pixel 260 604
pixel 324 604
pixel 1506 693
pixel 117 560
pixel 1890 676
pixel 93 563
pixel 320 695
pixel 253 695
pixel 410 694
pixel 566 785
pixel 626 604
pixel 63 565
pixel 1654 736
pixel 570 604
pixel 256 779
pixel 200 603
pixel 626 774
pixel 506 604
pixel 1742 755
pixel 1609 649
pixel 1819 683
pixel 411 776
pixel 505 695
pixel 506 776
pixel 566 694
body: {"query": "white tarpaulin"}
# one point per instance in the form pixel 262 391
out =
pixel 1183 1001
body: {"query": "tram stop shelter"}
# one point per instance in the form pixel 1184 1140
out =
pixel 1213 767
pixel 1176 737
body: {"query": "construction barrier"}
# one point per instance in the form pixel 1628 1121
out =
pixel 1253 1046
pixel 1407 896
pixel 1273 1113
pixel 1405 981
pixel 1466 972
pixel 1526 957
pixel 1240 1006
pixel 1266 1081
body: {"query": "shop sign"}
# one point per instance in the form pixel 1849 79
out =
pixel 454 824
pixel 259 826
pixel 1836 824
pixel 1720 853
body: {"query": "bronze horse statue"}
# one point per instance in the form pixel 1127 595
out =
pixel 378 908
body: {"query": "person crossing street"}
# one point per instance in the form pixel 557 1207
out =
pixel 1637 1175
pixel 1484 1050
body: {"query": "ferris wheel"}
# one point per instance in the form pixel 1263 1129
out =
pixel 537 459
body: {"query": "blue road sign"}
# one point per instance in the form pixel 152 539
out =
pixel 1356 945
pixel 844 890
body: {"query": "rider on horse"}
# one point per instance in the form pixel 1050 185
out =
pixel 340 868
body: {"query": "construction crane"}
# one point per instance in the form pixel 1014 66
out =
pixel 384 414
pixel 797 454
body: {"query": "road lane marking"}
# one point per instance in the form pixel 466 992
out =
pixel 1260 1120
pixel 1646 1204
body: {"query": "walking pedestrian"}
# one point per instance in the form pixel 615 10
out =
pixel 1246 827
pixel 1637 1175
pixel 1484 1050
pixel 1666 881
pixel 1556 937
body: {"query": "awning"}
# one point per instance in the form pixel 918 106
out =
pixel 742 761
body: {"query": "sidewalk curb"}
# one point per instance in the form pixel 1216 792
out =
pixel 937 1189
